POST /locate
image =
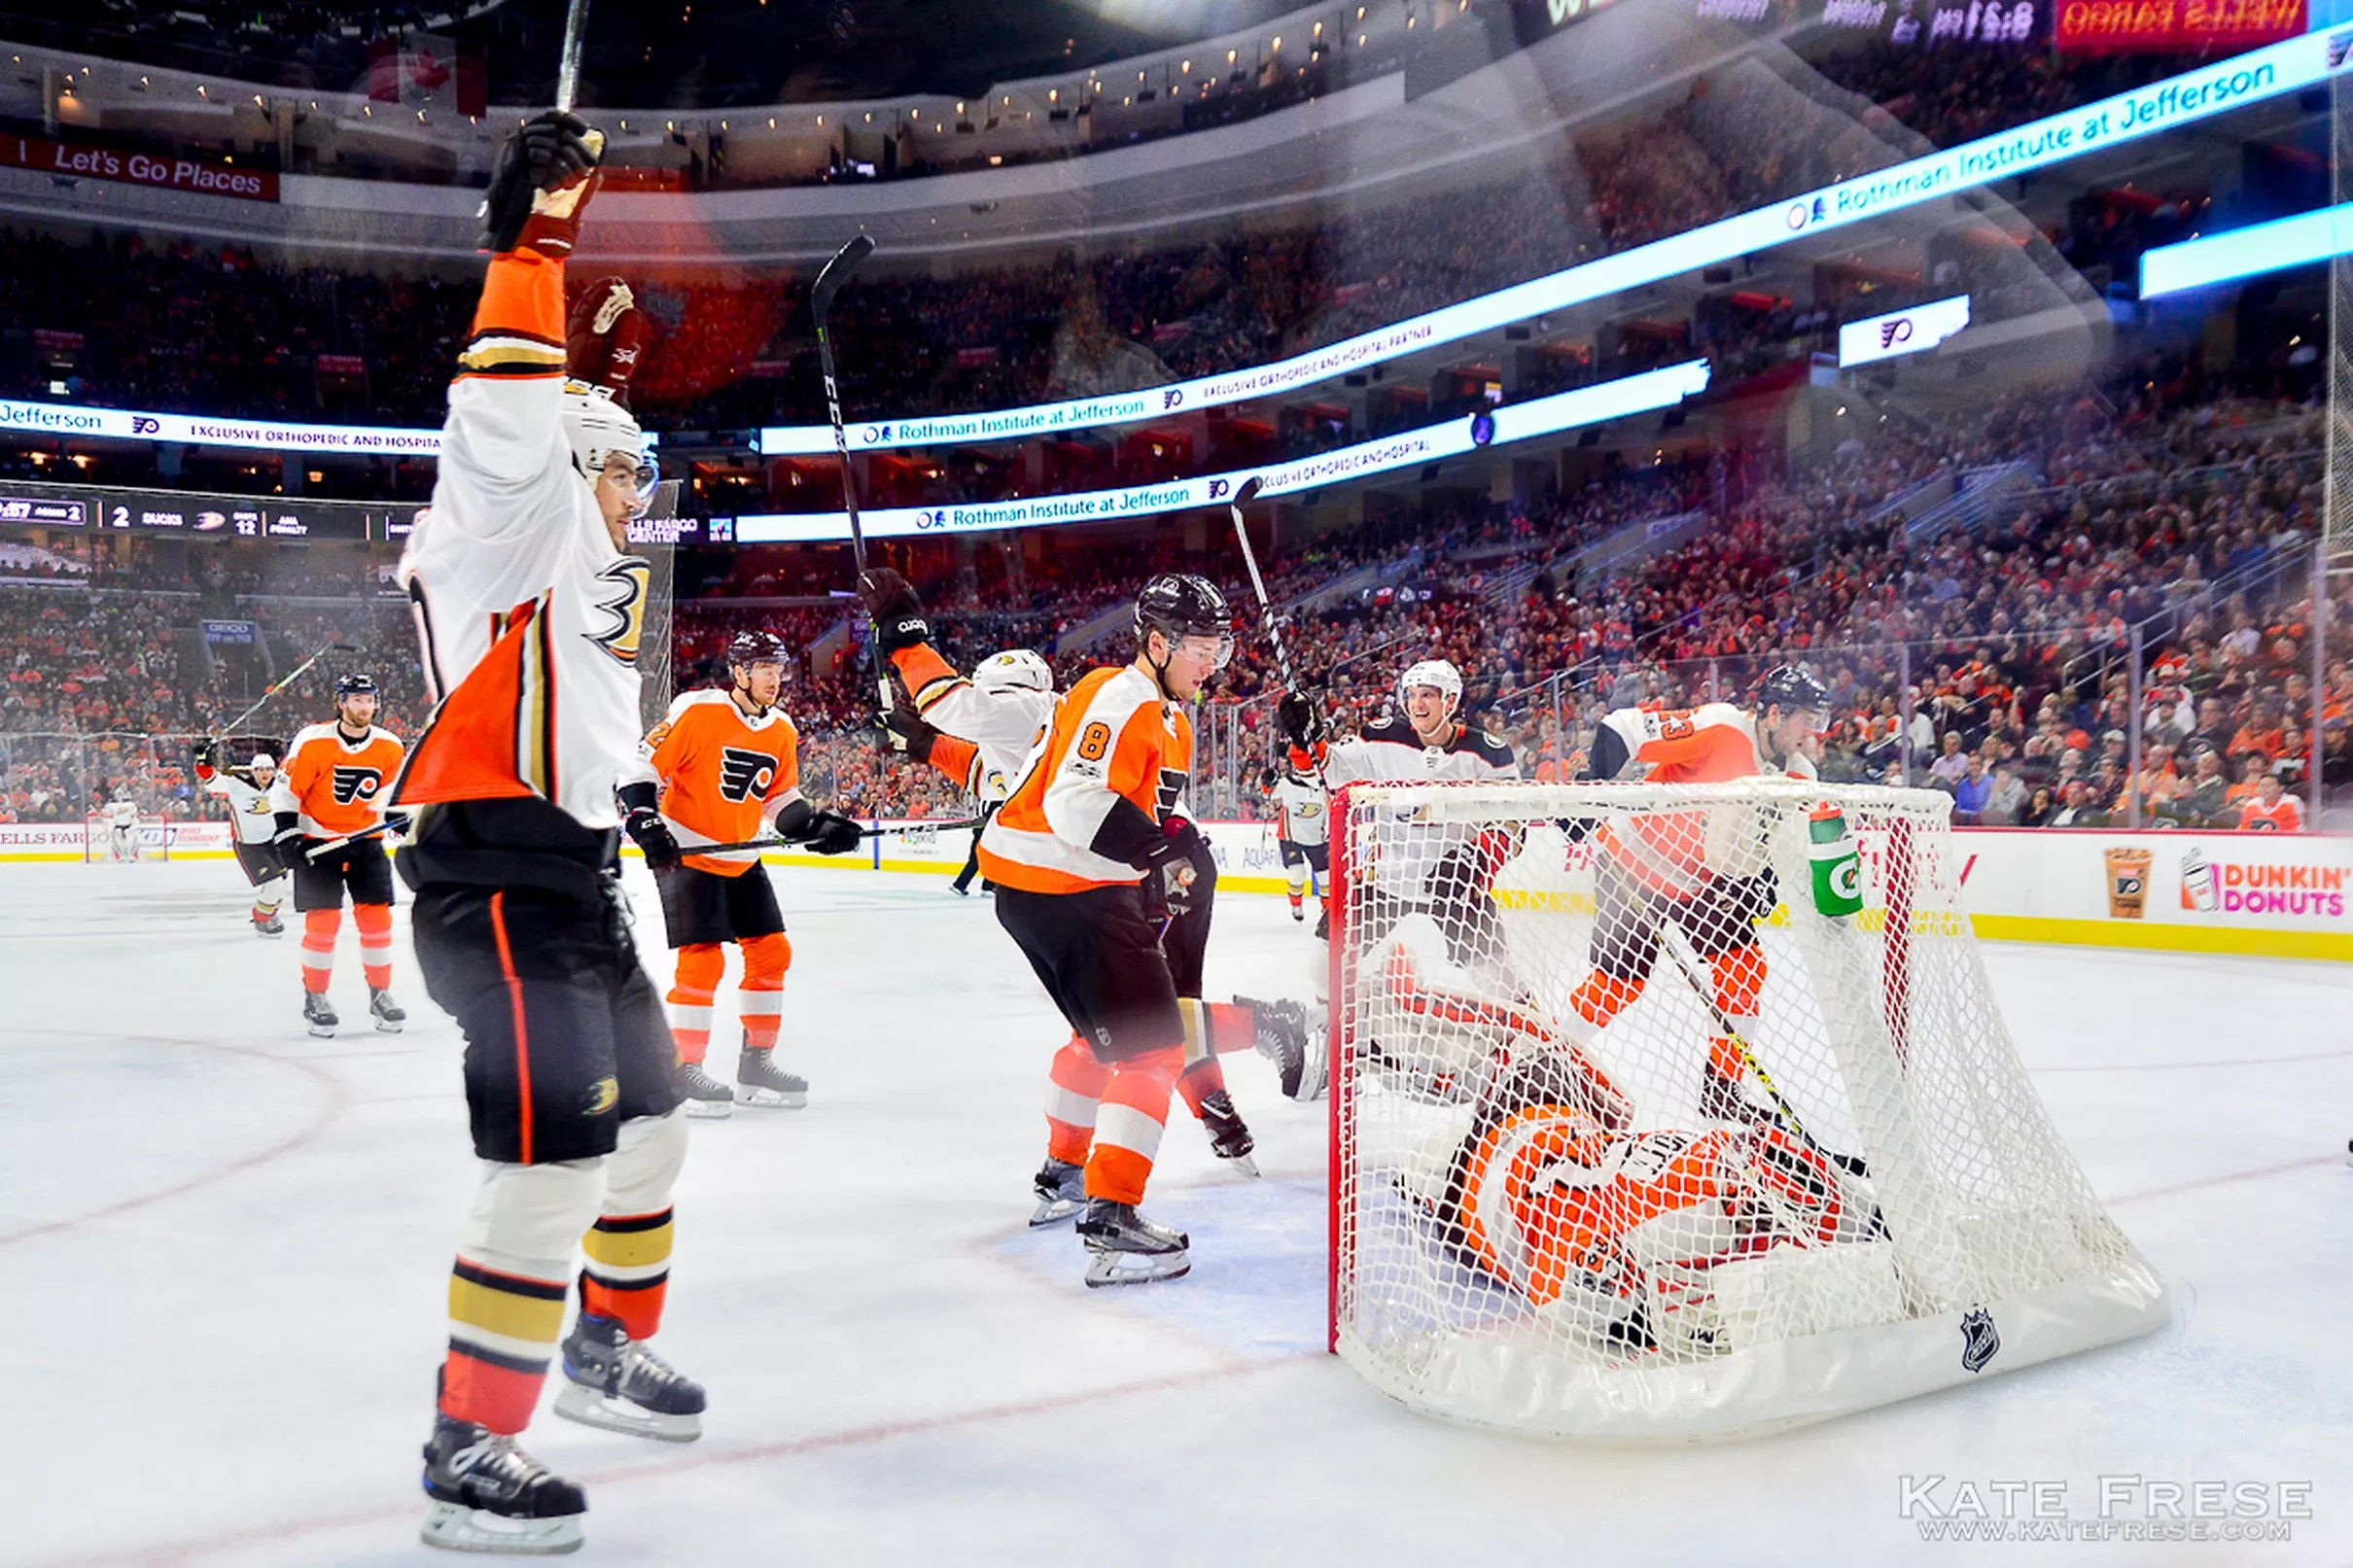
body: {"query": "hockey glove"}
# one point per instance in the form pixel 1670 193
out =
pixel 1295 716
pixel 204 756
pixel 397 824
pixel 645 826
pixel 1170 878
pixel 898 616
pixel 902 731
pixel 545 174
pixel 287 841
pixel 832 833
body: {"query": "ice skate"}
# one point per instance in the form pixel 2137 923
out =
pixel 388 1014
pixel 1062 1192
pixel 1124 1248
pixel 764 1083
pixel 485 1494
pixel 618 1383
pixel 707 1099
pixel 319 1015
pixel 1284 1038
pixel 1323 926
pixel 1229 1135
pixel 1298 913
pixel 267 924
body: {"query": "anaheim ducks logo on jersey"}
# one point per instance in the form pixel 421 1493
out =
pixel 622 591
pixel 744 775
pixel 356 784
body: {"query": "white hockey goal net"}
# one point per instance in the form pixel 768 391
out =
pixel 143 840
pixel 1685 1111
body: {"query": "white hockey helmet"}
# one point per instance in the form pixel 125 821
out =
pixel 597 426
pixel 261 760
pixel 1016 669
pixel 1435 672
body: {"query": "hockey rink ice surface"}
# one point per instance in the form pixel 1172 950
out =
pixel 225 1250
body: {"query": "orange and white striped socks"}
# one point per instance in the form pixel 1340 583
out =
pixel 700 966
pixel 1128 1125
pixel 761 997
pixel 374 922
pixel 319 928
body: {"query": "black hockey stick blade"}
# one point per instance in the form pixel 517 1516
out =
pixel 1249 491
pixel 846 261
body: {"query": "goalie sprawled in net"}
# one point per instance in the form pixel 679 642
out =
pixel 1699 1119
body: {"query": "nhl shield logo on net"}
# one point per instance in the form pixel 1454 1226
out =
pixel 1980 1340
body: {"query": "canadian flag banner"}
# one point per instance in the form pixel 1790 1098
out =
pixel 426 71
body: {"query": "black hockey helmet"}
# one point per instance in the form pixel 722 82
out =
pixel 1181 603
pixel 747 648
pixel 1789 688
pixel 354 686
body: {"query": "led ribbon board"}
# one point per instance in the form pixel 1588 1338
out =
pixel 1902 332
pixel 1513 422
pixel 132 425
pixel 2194 96
pixel 2249 252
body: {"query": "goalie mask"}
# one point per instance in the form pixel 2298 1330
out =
pixel 597 426
pixel 1016 669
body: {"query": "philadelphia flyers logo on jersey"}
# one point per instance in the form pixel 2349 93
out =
pixel 357 783
pixel 744 775
pixel 622 592
pixel 1172 789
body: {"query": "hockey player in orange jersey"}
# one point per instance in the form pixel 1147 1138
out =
pixel 1701 870
pixel 981 732
pixel 329 801
pixel 1615 1228
pixel 728 761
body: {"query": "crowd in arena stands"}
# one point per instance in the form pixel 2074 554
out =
pixel 2164 505
pixel 187 328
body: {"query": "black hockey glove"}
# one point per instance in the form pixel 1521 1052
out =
pixel 1170 874
pixel 398 824
pixel 545 174
pixel 644 824
pixel 287 841
pixel 902 731
pixel 831 833
pixel 1296 715
pixel 898 616
pixel 206 754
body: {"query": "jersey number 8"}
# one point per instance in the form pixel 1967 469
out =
pixel 1094 741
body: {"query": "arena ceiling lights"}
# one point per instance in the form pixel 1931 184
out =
pixel 2168 105
pixel 1432 443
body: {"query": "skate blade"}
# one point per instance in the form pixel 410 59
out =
pixel 385 1026
pixel 1108 1269
pixel 1243 1163
pixel 773 1099
pixel 455 1527
pixel 591 1408
pixel 325 1031
pixel 710 1110
pixel 1055 1211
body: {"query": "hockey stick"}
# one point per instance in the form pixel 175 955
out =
pixel 830 282
pixel 567 68
pixel 231 728
pixel 1671 944
pixel 1274 629
pixel 865 832
pixel 362 836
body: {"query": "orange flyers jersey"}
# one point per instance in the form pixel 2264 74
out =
pixel 1676 851
pixel 2284 816
pixel 1114 737
pixel 337 785
pixel 722 774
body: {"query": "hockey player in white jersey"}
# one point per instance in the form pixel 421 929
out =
pixel 252 824
pixel 121 814
pixel 1303 839
pixel 530 615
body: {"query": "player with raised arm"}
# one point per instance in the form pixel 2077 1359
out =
pixel 729 763
pixel 530 615
pixel 1704 871
pixel 329 802
pixel 253 826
